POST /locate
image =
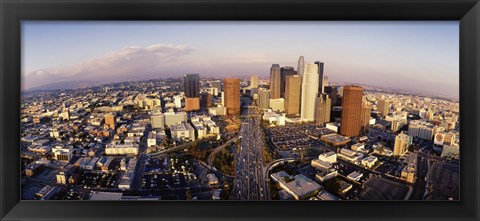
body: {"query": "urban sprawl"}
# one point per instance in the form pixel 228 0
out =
pixel 294 136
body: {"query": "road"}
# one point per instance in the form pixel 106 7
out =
pixel 249 182
pixel 218 149
pixel 420 183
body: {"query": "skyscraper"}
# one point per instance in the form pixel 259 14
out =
pixel 383 106
pixel 191 85
pixel 320 77
pixel 401 144
pixel 192 92
pixel 351 123
pixel 325 83
pixel 323 107
pixel 275 81
pixel 284 73
pixel 205 100
pixel 292 94
pixel 216 84
pixel 309 92
pixel 263 98
pixel 366 112
pixel 232 95
pixel 301 66
pixel 254 81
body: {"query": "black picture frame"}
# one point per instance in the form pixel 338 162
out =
pixel 12 12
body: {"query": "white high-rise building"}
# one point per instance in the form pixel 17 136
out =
pixel 301 66
pixel 309 91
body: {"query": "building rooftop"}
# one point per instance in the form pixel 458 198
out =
pixel 106 196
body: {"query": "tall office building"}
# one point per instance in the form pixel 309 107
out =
pixel 301 66
pixel 383 106
pixel 320 77
pixel 205 100
pixel 322 111
pixel 284 73
pixel 309 92
pixel 192 92
pixel 401 144
pixel 325 83
pixel 334 96
pixel 232 95
pixel 110 121
pixel 275 81
pixel 351 123
pixel 191 85
pixel 254 81
pixel 292 94
pixel 216 84
pixel 263 98
pixel 366 112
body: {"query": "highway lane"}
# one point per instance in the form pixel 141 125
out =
pixel 249 183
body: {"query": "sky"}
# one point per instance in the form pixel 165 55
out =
pixel 419 56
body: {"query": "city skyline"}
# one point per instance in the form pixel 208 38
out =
pixel 414 55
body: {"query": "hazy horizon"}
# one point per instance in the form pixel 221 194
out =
pixel 413 56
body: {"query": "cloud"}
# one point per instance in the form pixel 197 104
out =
pixel 122 64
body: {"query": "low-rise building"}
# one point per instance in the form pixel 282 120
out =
pixel 200 130
pixel 121 149
pixel 217 111
pixel 451 151
pixel 183 131
pixel 335 139
pixel 274 117
pixel 172 118
pixel 321 165
pixel 333 126
pixel 325 175
pixel 350 155
pixel 330 157
pixel 325 195
pixel 62 154
pixel 355 176
pixel 369 161
pixel 299 186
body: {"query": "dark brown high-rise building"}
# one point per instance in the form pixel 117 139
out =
pixel 205 100
pixel 293 86
pixel 275 81
pixel 192 92
pixel 232 95
pixel 284 73
pixel 351 111
pixel 191 85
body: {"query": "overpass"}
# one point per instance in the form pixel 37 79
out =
pixel 218 149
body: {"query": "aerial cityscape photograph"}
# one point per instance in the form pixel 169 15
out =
pixel 251 110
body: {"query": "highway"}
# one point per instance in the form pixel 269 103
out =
pixel 218 149
pixel 249 181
